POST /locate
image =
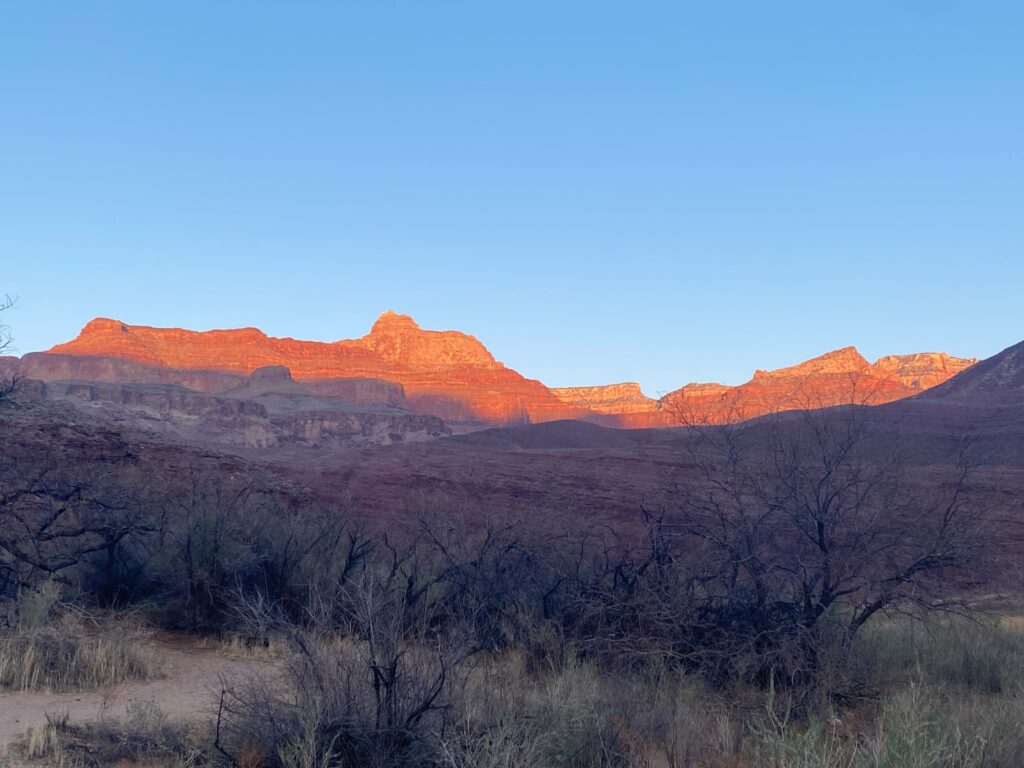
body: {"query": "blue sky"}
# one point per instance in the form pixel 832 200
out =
pixel 661 192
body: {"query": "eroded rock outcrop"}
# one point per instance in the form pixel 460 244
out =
pixel 626 397
pixel 268 415
pixel 452 375
pixel 48 366
pixel 840 377
pixel 923 370
pixel 444 373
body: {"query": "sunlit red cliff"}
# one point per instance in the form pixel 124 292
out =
pixel 836 378
pixel 452 375
pixel 445 373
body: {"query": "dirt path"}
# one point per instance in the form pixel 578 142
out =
pixel 190 687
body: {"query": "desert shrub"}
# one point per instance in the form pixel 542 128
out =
pixel 333 708
pixel 144 734
pixel 47 742
pixel 146 731
pixel 943 693
pixel 230 558
pixel 35 605
pixel 510 718
pixel 952 690
pixel 916 730
pixel 800 745
pixel 70 656
pixel 507 743
pixel 581 715
pixel 371 676
pixel 995 720
pixel 984 654
pixel 672 717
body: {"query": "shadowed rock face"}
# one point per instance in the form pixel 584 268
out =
pixel 997 380
pixel 452 375
pixel 270 413
pixel 47 366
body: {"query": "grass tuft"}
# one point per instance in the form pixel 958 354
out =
pixel 66 659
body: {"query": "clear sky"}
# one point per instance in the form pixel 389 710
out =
pixel 660 192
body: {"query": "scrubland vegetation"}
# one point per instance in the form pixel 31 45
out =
pixel 946 694
pixel 67 658
pixel 799 603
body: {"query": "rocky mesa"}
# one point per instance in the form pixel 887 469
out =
pixel 444 373
pixel 840 377
pixel 452 375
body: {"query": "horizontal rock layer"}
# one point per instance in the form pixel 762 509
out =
pixel 453 376
pixel 836 378
pixel 445 373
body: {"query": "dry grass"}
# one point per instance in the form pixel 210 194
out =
pixel 144 738
pixel 245 647
pixel 947 695
pixel 47 742
pixel 983 654
pixel 578 716
pixel 74 657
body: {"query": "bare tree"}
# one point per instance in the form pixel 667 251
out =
pixel 5 333
pixel 55 519
pixel 8 379
pixel 793 531
pixel 376 662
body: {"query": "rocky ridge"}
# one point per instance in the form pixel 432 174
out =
pixel 445 373
pixel 270 411
pixel 840 377
pixel 453 376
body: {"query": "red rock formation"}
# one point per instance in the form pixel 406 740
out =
pixel 837 378
pixel 446 373
pixel 452 375
pixel 609 398
pixel 400 340
pixel 923 370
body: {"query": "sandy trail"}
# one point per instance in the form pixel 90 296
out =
pixel 189 688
